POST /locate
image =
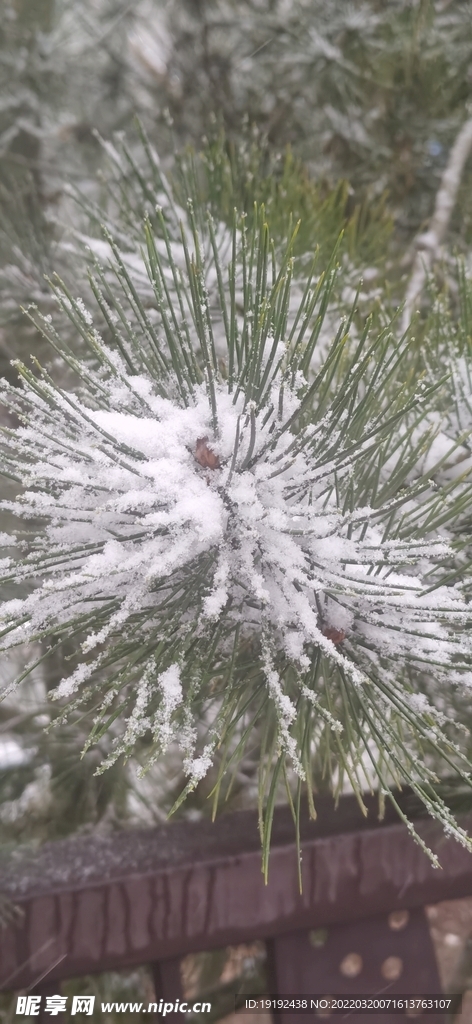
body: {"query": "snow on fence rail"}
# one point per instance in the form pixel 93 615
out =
pixel 91 904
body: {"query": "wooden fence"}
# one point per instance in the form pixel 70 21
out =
pixel 92 904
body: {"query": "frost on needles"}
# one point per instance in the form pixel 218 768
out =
pixel 228 519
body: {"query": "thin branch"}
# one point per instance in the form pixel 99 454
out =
pixel 428 245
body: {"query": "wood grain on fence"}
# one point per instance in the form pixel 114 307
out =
pixel 90 904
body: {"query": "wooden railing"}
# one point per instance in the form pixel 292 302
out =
pixel 92 904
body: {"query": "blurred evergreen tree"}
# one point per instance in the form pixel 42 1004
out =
pixel 369 90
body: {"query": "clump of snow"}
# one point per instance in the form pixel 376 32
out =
pixel 184 523
pixel 131 514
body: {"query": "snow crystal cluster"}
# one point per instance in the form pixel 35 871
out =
pixel 166 521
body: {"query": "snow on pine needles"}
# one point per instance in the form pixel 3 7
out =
pixel 234 542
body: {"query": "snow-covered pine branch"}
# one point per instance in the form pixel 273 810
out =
pixel 233 536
